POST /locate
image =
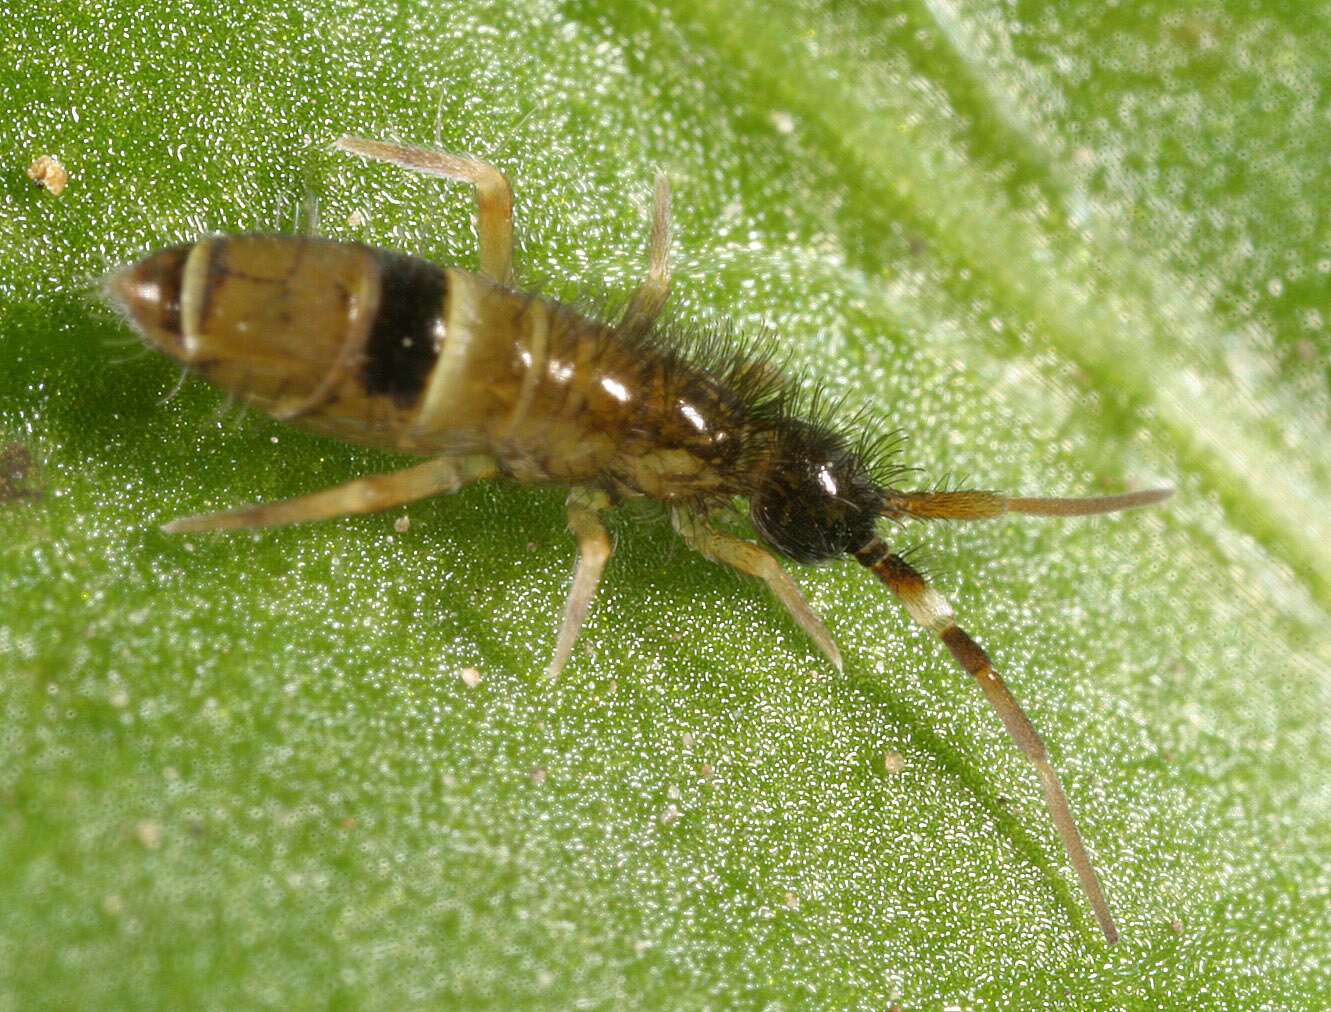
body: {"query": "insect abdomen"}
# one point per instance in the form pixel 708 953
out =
pixel 393 351
pixel 335 337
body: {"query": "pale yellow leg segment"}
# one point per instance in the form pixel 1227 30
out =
pixel 749 558
pixel 649 299
pixel 584 507
pixel 494 199
pixel 364 495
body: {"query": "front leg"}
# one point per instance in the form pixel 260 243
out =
pixel 750 558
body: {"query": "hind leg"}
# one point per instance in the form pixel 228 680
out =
pixel 364 495
pixel 494 198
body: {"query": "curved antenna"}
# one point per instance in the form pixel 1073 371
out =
pixel 930 609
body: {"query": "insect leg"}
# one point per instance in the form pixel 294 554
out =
pixel 650 296
pixel 584 507
pixel 931 609
pixel 364 495
pixel 494 198
pixel 750 558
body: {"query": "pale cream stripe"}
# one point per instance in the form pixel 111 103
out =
pixel 538 348
pixel 193 288
pixel 450 369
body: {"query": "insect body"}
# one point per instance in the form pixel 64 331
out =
pixel 484 381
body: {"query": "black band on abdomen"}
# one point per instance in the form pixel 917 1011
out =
pixel 407 332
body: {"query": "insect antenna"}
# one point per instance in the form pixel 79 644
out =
pixel 930 609
pixel 980 505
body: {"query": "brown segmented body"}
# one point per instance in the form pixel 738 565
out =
pixel 297 326
pixel 485 381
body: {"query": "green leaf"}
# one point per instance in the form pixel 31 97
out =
pixel 1064 249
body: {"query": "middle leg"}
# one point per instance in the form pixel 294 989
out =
pixel 584 508
pixel 650 297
